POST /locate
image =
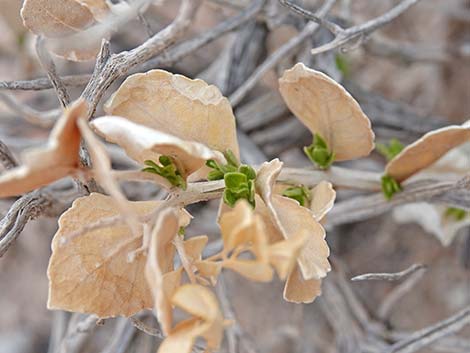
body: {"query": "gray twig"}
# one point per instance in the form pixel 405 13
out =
pixel 359 32
pixel 428 335
pixel 389 276
pixel 48 64
pixel 6 157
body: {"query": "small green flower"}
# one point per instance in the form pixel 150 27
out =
pixel 318 152
pixel 239 179
pixel 389 151
pixel 456 213
pixel 299 193
pixel 390 186
pixel 166 169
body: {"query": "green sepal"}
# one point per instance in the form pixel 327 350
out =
pixel 298 193
pixel 167 170
pixel 390 186
pixel 231 159
pixel 318 152
pixel 215 175
pixel 389 151
pixel 456 213
pixel 248 171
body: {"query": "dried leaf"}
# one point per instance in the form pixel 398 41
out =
pixel 292 219
pixel 206 321
pixel 189 109
pixel 427 150
pixel 162 280
pixel 299 290
pixel 98 8
pixel 91 272
pixel 142 143
pixel 323 198
pixel 328 110
pixel 45 165
pixel 59 19
pixel 283 254
pixel 242 228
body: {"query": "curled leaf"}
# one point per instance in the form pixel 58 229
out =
pixel 300 290
pixel 327 110
pixel 189 109
pixel 323 198
pixel 142 144
pixel 161 278
pixel 45 165
pixel 206 320
pixel 242 229
pixel 293 220
pixel 91 272
pixel 427 150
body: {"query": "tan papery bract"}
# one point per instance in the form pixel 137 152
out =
pixel 91 273
pixel 163 281
pixel 98 8
pixel 56 20
pixel 142 143
pixel 44 165
pixel 174 104
pixel 427 150
pixel 327 109
pixel 322 199
pixel 293 220
pixel 206 320
pixel 241 227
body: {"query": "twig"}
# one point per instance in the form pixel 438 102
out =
pixel 6 157
pixel 388 276
pixel 428 335
pixel 284 51
pixel 398 292
pixel 142 326
pixel 43 83
pixel 364 207
pixel 41 119
pixel 78 333
pixel 49 66
pixel 342 35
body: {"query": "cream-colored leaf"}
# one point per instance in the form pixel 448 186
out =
pixel 327 109
pixel 283 254
pixel 207 320
pixel 189 109
pixel 91 272
pixel 322 199
pixel 159 263
pixel 102 171
pixel 142 143
pixel 251 269
pixel 292 219
pixel 194 247
pixel 299 290
pixel 427 150
pixel 433 219
pixel 98 8
pixel 56 20
pixel 45 165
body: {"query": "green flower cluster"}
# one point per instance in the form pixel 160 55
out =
pixel 167 169
pixel 239 179
pixel 390 186
pixel 389 151
pixel 319 153
pixel 299 193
